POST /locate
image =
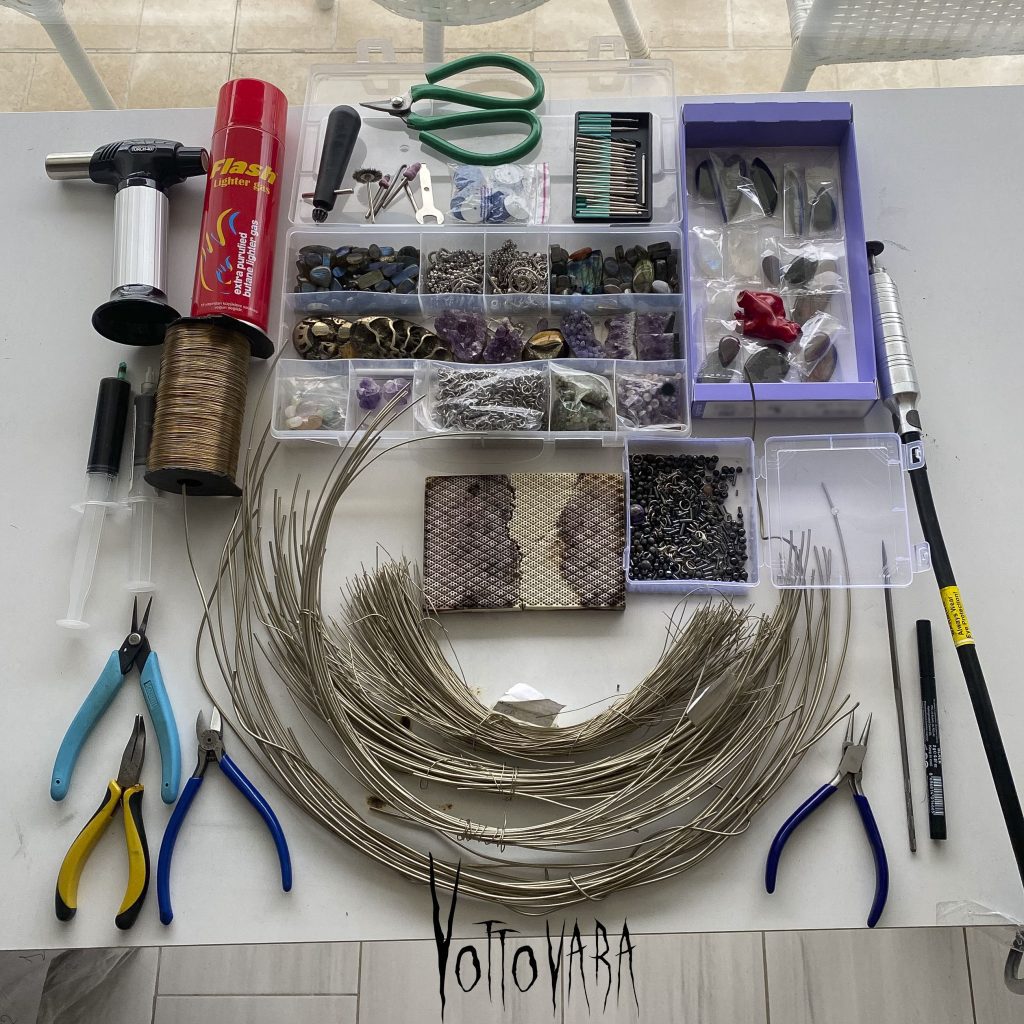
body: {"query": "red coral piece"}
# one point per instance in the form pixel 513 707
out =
pixel 762 315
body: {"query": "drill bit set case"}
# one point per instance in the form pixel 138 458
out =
pixel 777 275
pixel 489 324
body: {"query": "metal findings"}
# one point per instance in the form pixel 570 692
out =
pixel 490 400
pixel 509 269
pixel 680 526
pixel 455 271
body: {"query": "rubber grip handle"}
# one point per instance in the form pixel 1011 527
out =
pixel 253 795
pixel 104 690
pixel 163 864
pixel 108 426
pixel 881 863
pixel 427 126
pixel 789 826
pixel 66 895
pixel 343 126
pixel 155 694
pixel 138 858
pixel 475 99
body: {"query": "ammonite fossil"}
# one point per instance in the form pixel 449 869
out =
pixel 369 337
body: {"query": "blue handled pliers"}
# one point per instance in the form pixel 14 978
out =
pixel 135 651
pixel 849 770
pixel 211 748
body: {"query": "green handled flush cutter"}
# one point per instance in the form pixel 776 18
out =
pixel 490 109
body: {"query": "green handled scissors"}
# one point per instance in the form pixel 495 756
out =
pixel 490 109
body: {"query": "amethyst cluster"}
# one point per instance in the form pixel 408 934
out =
pixel 471 340
pixel 655 336
pixel 371 393
pixel 578 332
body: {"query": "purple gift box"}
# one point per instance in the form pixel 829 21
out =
pixel 780 124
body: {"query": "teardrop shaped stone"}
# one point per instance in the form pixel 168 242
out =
pixel 771 269
pixel 768 366
pixel 801 270
pixel 821 357
pixel 728 349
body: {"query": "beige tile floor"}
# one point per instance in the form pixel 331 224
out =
pixel 891 976
pixel 169 53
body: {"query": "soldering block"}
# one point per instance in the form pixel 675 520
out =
pixel 524 542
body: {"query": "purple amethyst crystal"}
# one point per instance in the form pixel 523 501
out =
pixel 655 338
pixel 619 342
pixel 578 331
pixel 505 345
pixel 368 392
pixel 397 386
pixel 465 333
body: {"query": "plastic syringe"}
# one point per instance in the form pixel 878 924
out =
pixel 108 428
pixel 142 497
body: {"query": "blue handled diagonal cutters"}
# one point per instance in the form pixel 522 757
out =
pixel 134 652
pixel 849 770
pixel 211 748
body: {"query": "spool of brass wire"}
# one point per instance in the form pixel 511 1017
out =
pixel 199 409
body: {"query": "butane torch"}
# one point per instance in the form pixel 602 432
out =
pixel 142 170
pixel 897 379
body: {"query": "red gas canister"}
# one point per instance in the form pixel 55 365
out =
pixel 235 266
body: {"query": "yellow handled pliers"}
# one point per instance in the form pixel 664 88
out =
pixel 124 791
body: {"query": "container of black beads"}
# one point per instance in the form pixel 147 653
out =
pixel 691 515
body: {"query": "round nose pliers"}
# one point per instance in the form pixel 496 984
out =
pixel 135 653
pixel 849 770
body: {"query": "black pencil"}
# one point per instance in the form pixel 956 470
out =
pixel 932 749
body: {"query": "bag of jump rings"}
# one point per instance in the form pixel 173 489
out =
pixel 477 398
pixel 506 194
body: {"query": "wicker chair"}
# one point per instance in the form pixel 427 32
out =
pixel 855 31
pixel 436 14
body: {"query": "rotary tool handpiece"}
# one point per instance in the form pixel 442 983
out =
pixel 897 375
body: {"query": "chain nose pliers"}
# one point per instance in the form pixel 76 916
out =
pixel 125 792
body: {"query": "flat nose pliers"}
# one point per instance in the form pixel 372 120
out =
pixel 849 770
pixel 211 748
pixel 125 792
pixel 134 652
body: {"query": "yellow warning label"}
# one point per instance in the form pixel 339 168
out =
pixel 959 627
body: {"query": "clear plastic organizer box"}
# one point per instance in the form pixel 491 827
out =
pixel 600 400
pixel 834 505
pixel 384 144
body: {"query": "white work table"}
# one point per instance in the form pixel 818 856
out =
pixel 939 172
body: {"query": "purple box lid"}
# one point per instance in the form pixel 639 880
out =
pixel 790 123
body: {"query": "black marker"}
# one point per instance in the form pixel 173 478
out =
pixel 930 715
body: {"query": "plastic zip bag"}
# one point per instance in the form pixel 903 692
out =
pixel 506 194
